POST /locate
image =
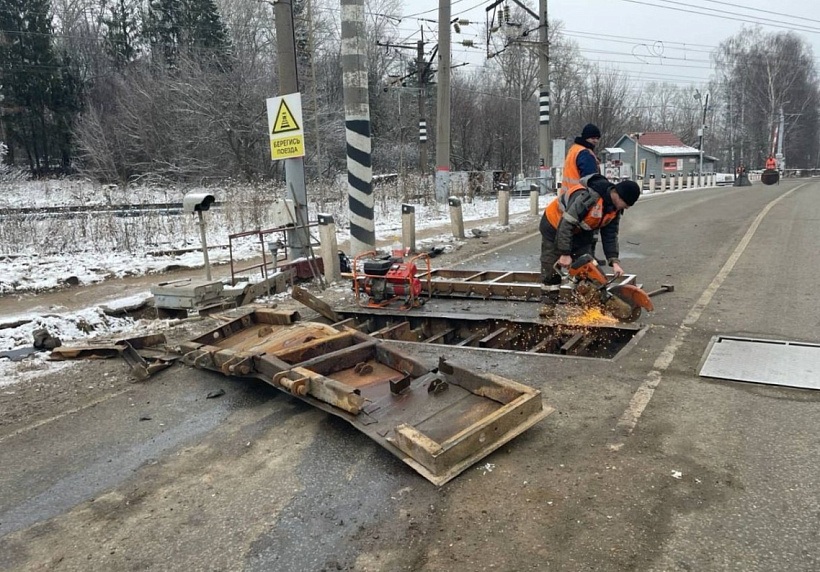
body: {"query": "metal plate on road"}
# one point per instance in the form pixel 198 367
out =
pixel 771 362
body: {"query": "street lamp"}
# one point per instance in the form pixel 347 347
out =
pixel 702 128
pixel 636 168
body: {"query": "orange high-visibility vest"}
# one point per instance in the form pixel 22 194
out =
pixel 571 177
pixel 771 163
pixel 595 217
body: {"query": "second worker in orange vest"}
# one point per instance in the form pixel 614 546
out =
pixel 571 221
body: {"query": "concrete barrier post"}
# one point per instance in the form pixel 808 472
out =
pixel 680 180
pixel 712 180
pixel 504 208
pixel 534 202
pixel 408 227
pixel 663 184
pixel 651 184
pixel 671 182
pixel 456 217
pixel 689 181
pixel 329 248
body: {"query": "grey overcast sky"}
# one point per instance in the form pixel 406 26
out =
pixel 648 39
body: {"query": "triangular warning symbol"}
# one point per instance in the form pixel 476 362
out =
pixel 285 121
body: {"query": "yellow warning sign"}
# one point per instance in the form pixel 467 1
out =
pixel 285 121
pixel 287 147
pixel 287 138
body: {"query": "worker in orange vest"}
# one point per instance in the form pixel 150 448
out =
pixel 570 225
pixel 581 160
pixel 771 164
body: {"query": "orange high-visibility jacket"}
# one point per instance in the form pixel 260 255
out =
pixel 571 178
pixel 771 163
pixel 594 218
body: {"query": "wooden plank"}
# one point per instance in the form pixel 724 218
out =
pixel 418 446
pixel 571 343
pixel 330 390
pixel 400 361
pixel 341 359
pixel 487 385
pixel 549 340
pixel 392 331
pixel 275 317
pixel 301 295
pixel 317 347
pixel 435 338
pixel 348 323
pixel 470 339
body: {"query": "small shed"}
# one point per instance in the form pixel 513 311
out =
pixel 661 153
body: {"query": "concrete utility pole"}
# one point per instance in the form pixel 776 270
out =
pixel 313 89
pixel 781 160
pixel 299 238
pixel 544 151
pixel 702 132
pixel 357 128
pixel 421 70
pixel 443 104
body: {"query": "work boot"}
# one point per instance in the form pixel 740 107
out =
pixel 550 297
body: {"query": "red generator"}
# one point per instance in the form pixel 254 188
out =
pixel 387 279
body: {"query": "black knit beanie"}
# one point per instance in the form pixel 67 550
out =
pixel 629 191
pixel 590 131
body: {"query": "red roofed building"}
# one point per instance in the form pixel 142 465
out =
pixel 663 153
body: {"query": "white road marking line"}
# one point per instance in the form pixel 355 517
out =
pixel 626 424
pixel 64 414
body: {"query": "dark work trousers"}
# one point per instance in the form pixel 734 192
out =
pixel 582 243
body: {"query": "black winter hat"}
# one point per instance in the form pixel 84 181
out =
pixel 629 191
pixel 590 130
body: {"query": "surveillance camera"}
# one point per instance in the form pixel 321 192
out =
pixel 196 202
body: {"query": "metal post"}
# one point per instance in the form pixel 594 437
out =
pixel 204 246
pixel 781 160
pixel 329 248
pixel 504 208
pixel 702 133
pixel 520 118
pixel 534 193
pixel 298 238
pixel 421 68
pixel 443 104
pixel 544 151
pixel 456 217
pixel 408 227
pixel 357 128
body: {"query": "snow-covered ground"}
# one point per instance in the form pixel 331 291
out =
pixel 44 252
pixel 41 252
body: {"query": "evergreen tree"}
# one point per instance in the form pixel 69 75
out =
pixel 122 30
pixel 193 26
pixel 29 74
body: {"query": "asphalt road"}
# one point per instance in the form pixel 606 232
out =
pixel 644 465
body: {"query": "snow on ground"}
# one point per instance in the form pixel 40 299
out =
pixel 72 328
pixel 39 252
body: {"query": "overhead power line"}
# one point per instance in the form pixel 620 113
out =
pixel 732 18
pixel 761 10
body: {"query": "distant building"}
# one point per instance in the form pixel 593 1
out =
pixel 662 153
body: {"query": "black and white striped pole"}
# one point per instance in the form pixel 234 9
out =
pixel 357 127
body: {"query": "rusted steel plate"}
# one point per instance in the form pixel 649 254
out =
pixel 438 421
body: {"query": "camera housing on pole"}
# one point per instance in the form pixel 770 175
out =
pixel 199 203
